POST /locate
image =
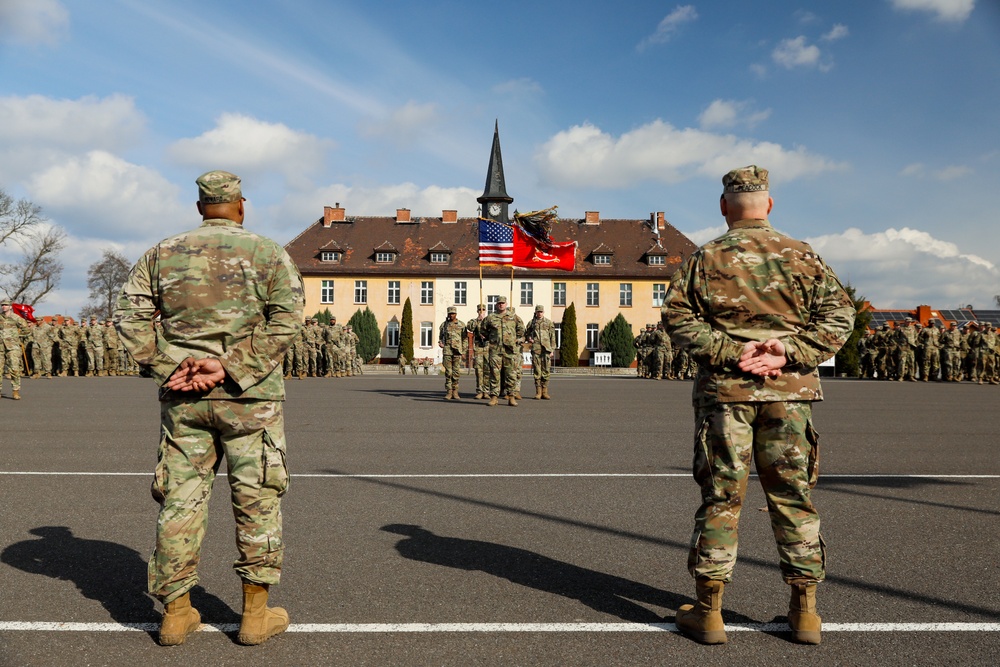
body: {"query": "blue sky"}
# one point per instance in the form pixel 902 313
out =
pixel 877 120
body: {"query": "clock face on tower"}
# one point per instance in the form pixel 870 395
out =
pixel 495 209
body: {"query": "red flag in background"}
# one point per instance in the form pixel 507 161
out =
pixel 530 255
pixel 24 310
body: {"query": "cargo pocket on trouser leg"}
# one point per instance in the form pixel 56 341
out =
pixel 274 470
pixel 813 437
pixel 158 487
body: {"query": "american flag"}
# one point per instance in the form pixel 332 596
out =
pixel 496 243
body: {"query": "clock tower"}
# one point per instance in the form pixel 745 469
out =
pixel 494 199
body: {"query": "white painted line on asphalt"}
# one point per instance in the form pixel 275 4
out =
pixel 499 475
pixel 392 628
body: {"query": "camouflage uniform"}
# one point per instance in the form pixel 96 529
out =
pixel 332 336
pixel 504 332
pixel 906 346
pixel 541 334
pixel 454 343
pixel 111 341
pixel 479 348
pixel 663 354
pixel 69 349
pixel 95 347
pixel 753 284
pixel 13 332
pixel 929 339
pixel 951 358
pixel 226 293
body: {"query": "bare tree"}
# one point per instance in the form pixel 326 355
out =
pixel 105 278
pixel 30 279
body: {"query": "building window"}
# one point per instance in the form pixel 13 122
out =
pixel 426 334
pixel 625 294
pixel 558 294
pixel 427 293
pixel 593 294
pixel 659 293
pixel 602 260
pixel 527 294
pixel 326 291
pixel 329 256
pixel 360 291
pixel 392 295
pixel 593 337
pixel 439 258
pixel 558 328
pixel 392 334
pixel 491 303
pixel 385 257
pixel 657 260
pixel 461 292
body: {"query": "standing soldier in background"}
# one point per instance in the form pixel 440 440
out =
pixel 504 332
pixel 353 360
pixel 230 303
pixel 111 341
pixel 13 331
pixel 758 311
pixel 985 359
pixel 311 335
pixel 69 349
pixel 663 355
pixel 479 348
pixel 929 340
pixel 906 345
pixel 331 353
pixel 454 344
pixel 95 341
pixel 951 359
pixel 541 335
pixel 640 361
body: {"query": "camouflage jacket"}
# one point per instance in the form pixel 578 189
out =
pixel 751 284
pixel 13 329
pixel 222 292
pixel 504 330
pixel 541 332
pixel 951 339
pixel 452 337
pixel 478 339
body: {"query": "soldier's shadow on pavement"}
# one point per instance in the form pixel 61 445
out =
pixel 436 395
pixel 602 592
pixel 110 573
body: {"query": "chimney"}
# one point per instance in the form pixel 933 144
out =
pixel 661 222
pixel 592 218
pixel 332 214
pixel 449 215
pixel 402 215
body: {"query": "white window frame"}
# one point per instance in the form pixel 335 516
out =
pixel 427 293
pixel 326 291
pixel 360 291
pixel 392 293
pixel 426 334
pixel 594 294
pixel 461 293
pixel 659 294
pixel 329 256
pixel 392 334
pixel 602 260
pixel 385 257
pixel 657 260
pixel 491 303
pixel 625 295
pixel 527 294
pixel 593 337
pixel 440 257
pixel 558 294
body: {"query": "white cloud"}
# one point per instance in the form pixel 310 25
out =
pixel 584 156
pixel 791 53
pixel 702 236
pixel 669 26
pixel 907 267
pixel 949 173
pixel 32 21
pixel 90 122
pixel 405 125
pixel 838 31
pixel 946 10
pixel 730 113
pixel 244 144
pixel 99 195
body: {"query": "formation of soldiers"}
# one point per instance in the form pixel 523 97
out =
pixel 64 349
pixel 323 350
pixel 656 358
pixel 913 352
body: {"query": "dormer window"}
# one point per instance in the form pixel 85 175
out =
pixel 656 260
pixel 383 257
pixel 439 258
pixel 329 256
pixel 602 260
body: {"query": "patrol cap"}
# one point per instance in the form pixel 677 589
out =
pixel 745 179
pixel 501 299
pixel 452 310
pixel 480 307
pixel 6 302
pixel 539 308
pixel 218 187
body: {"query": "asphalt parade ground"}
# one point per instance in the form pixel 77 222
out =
pixel 428 532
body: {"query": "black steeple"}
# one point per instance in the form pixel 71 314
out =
pixel 495 194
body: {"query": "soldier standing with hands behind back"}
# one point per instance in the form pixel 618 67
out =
pixel 13 330
pixel 453 341
pixel 541 334
pixel 504 332
pixel 230 304
pixel 758 311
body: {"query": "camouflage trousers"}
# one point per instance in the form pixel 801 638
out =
pixel 780 439
pixel 196 434
pixel 907 365
pixel 452 362
pixel 11 363
pixel 541 365
pixel 664 358
pixel 479 365
pixel 951 363
pixel 503 364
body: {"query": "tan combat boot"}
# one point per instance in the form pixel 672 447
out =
pixel 511 401
pixel 702 621
pixel 545 392
pixel 493 401
pixel 259 622
pixel 538 391
pixel 179 620
pixel 16 395
pixel 479 394
pixel 447 395
pixel 454 393
pixel 802 617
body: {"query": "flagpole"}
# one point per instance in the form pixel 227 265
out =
pixel 510 298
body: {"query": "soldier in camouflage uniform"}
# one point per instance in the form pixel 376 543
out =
pixel 505 333
pixel 479 347
pixel 44 339
pixel 758 311
pixel 110 338
pixel 906 346
pixel 951 356
pixel 454 344
pixel 929 340
pixel 13 333
pixel 663 354
pixel 331 347
pixel 230 303
pixel 541 335
pixel 95 346
pixel 69 347
pixel 986 356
